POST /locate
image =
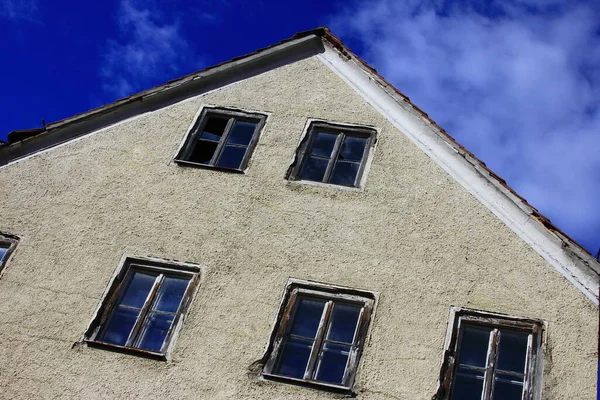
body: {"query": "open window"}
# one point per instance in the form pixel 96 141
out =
pixel 320 335
pixel 8 243
pixel 333 154
pixel 221 138
pixel 490 356
pixel 144 307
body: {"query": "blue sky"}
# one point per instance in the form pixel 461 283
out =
pixel 517 82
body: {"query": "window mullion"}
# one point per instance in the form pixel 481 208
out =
pixel 490 369
pixel 251 144
pixel 219 149
pixel 144 311
pixel 527 379
pixel 353 354
pixel 334 155
pixel 318 343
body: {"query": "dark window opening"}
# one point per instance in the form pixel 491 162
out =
pixel 222 138
pixel 320 337
pixel 143 307
pixel 491 357
pixel 8 243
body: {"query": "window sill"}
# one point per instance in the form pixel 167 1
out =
pixel 307 383
pixel 326 185
pixel 183 163
pixel 127 350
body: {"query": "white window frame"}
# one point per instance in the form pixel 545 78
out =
pixel 459 317
pixel 114 291
pixel 331 293
pixel 341 129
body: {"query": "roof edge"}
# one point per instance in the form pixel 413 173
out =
pixel 564 253
pixel 24 143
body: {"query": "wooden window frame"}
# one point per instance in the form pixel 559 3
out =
pixel 8 242
pixel 191 139
pixel 296 289
pixel 115 291
pixel 460 317
pixel 341 131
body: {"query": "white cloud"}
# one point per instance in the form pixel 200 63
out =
pixel 151 50
pixel 519 85
pixel 19 9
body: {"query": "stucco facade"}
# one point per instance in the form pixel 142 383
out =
pixel 412 234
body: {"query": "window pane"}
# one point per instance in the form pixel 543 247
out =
pixel 314 169
pixel 3 251
pixel 231 157
pixel 214 128
pixel 137 289
pixel 119 326
pixel 294 358
pixel 307 318
pixel 344 173
pixel 154 332
pixel 241 133
pixel 203 152
pixel 322 144
pixel 513 350
pixel 468 387
pixel 474 346
pixel 333 363
pixel 170 294
pixel 352 148
pixel 343 323
pixel 506 390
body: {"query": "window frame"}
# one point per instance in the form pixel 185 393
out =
pixel 341 130
pixel 191 138
pixel 296 289
pixel 460 317
pixel 115 291
pixel 8 242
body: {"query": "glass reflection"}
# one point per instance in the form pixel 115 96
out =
pixel 322 144
pixel 343 323
pixel 307 317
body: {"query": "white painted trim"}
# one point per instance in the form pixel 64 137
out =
pixel 192 269
pixel 455 318
pixel 411 123
pixel 366 168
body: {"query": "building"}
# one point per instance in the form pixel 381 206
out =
pixel 285 225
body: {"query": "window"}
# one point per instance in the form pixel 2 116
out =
pixel 144 307
pixel 7 246
pixel 319 335
pixel 222 139
pixel 490 357
pixel 334 154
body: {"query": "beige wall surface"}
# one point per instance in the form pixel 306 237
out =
pixel 413 234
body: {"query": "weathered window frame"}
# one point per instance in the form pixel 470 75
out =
pixel 115 290
pixel 8 242
pixel 191 138
pixel 341 130
pixel 460 317
pixel 296 289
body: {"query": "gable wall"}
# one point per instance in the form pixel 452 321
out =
pixel 413 235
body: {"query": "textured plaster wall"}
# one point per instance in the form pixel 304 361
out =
pixel 413 235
